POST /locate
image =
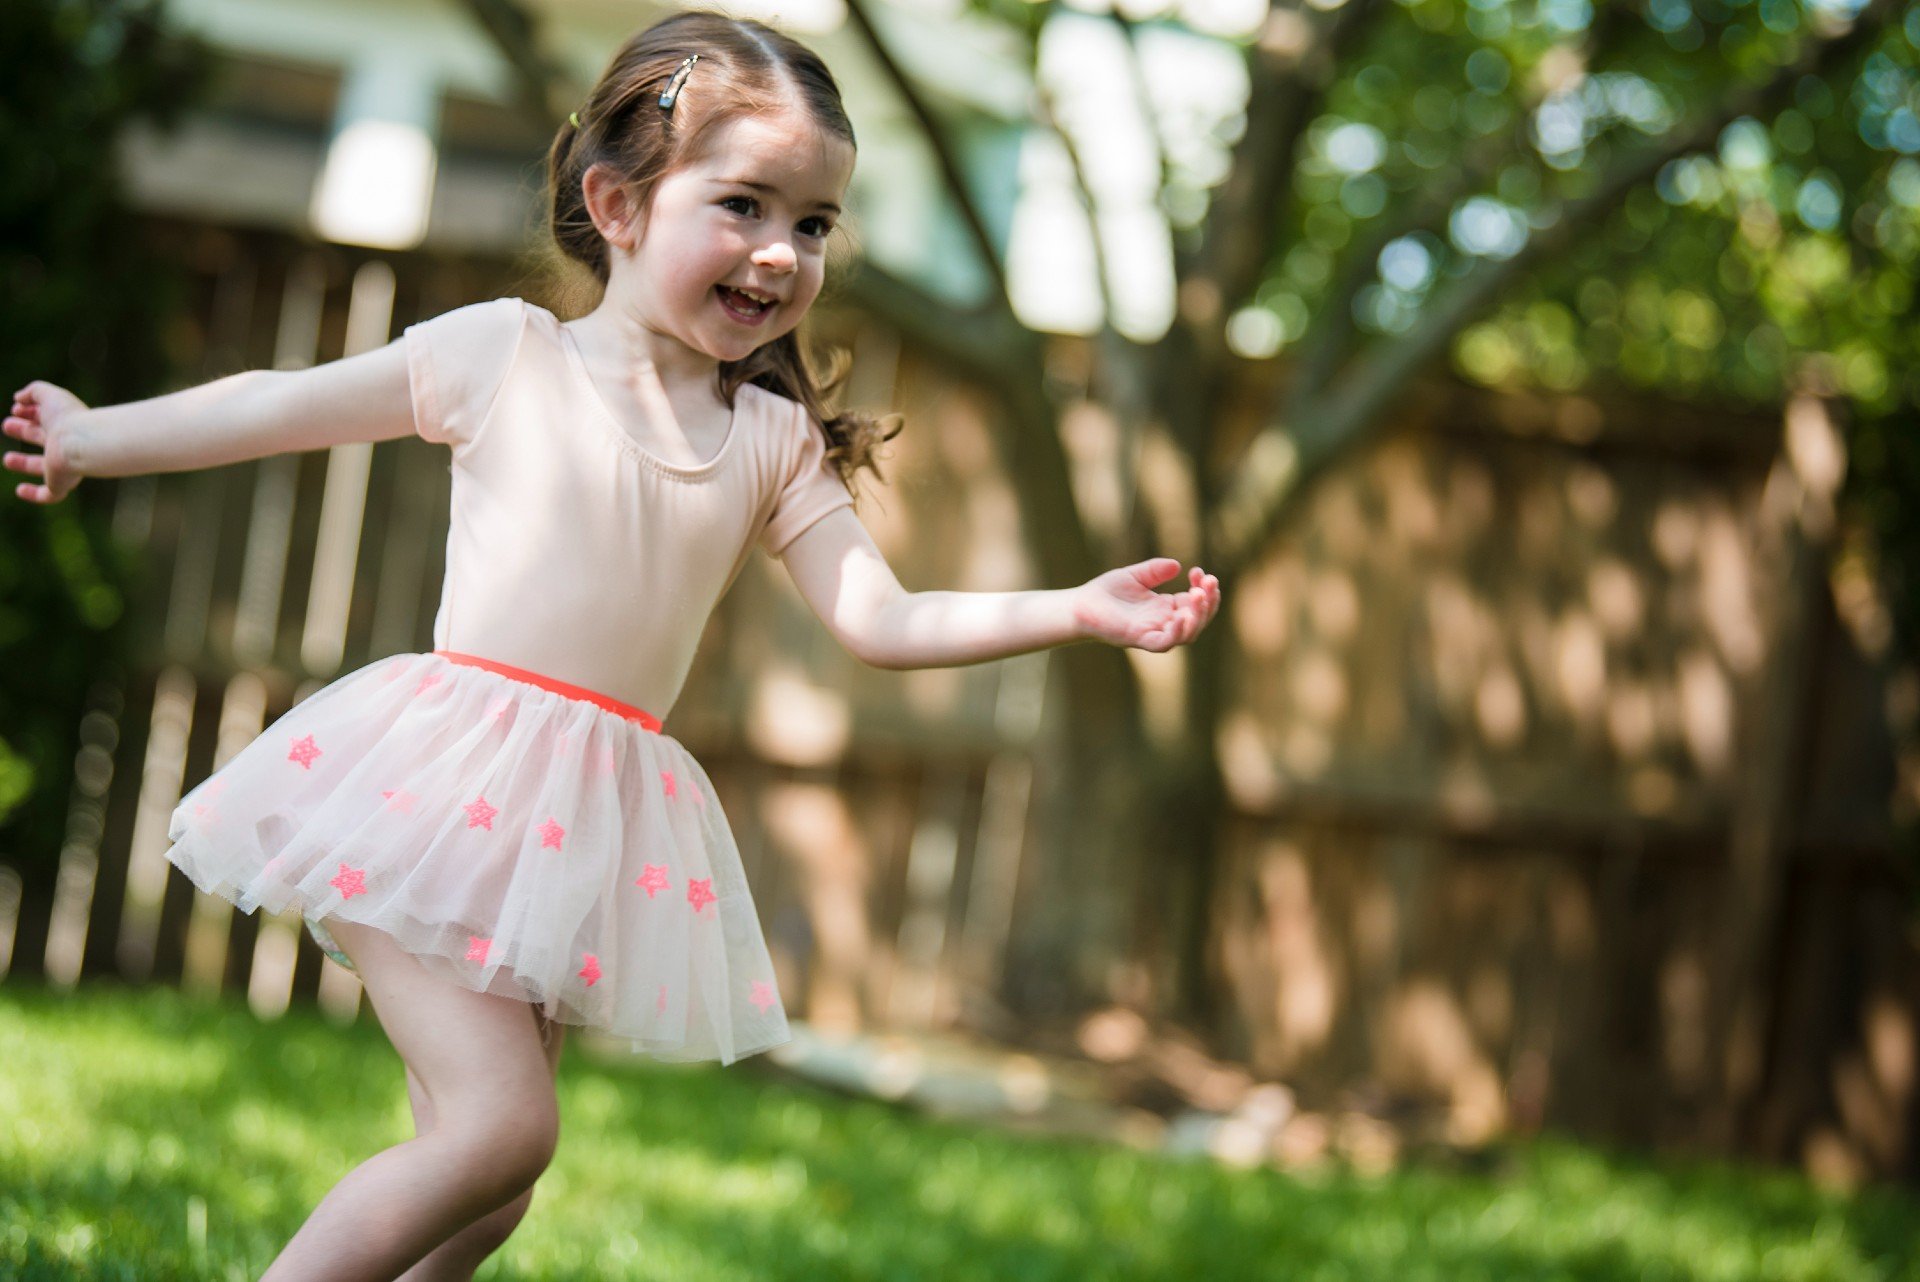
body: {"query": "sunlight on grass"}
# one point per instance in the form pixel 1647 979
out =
pixel 146 1134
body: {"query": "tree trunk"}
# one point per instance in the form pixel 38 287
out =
pixel 1795 521
pixel 1085 843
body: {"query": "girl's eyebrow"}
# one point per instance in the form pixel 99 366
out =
pixel 742 182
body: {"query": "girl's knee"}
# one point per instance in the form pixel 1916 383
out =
pixel 539 1139
pixel 512 1144
pixel 520 1166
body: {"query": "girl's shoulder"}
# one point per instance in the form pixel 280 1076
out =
pixel 457 363
pixel 787 414
pixel 781 426
pixel 507 310
pixel 482 334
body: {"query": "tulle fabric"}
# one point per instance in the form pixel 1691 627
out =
pixel 517 840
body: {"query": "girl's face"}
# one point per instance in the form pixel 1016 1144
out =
pixel 753 214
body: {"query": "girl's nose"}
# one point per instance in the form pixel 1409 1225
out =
pixel 778 255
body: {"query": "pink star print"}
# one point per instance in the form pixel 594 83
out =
pixel 606 761
pixel 762 995
pixel 699 798
pixel 653 877
pixel 480 814
pixel 477 948
pixel 591 971
pixel 700 892
pixel 207 815
pixel 498 706
pixel 666 781
pixel 304 751
pixel 272 865
pixel 427 682
pixel 350 881
pixel 399 799
pixel 661 1004
pixel 551 833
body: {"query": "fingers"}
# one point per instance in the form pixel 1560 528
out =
pixel 1192 609
pixel 25 426
pixel 1169 619
pixel 1154 572
pixel 1192 618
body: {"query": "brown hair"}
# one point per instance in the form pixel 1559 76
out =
pixel 745 68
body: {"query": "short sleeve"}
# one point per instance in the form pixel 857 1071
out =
pixel 811 488
pixel 456 363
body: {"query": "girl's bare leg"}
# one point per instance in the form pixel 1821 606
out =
pixel 456 1259
pixel 479 1060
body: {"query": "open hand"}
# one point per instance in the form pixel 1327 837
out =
pixel 1121 608
pixel 40 416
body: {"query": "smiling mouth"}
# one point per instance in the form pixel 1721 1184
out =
pixel 740 305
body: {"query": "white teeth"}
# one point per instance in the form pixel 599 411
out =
pixel 764 302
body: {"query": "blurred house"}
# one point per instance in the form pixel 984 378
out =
pixel 402 126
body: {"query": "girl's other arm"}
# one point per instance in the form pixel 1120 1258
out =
pixel 247 415
pixel 850 586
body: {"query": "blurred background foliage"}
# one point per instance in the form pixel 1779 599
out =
pixel 88 309
pixel 1792 241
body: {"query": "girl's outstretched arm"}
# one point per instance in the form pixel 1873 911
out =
pixel 851 587
pixel 247 415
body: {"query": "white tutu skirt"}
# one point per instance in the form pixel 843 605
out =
pixel 519 836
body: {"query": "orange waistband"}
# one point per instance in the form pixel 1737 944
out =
pixel 646 719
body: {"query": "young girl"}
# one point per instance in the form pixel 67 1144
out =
pixel 497 835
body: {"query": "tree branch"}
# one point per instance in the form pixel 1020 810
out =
pixel 1289 453
pixel 1326 342
pixel 1320 356
pixel 950 170
pixel 1288 84
pixel 981 345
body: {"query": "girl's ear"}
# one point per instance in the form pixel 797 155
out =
pixel 609 205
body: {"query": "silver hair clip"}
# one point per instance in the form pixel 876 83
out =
pixel 679 78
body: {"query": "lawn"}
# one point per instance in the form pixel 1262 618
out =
pixel 148 1135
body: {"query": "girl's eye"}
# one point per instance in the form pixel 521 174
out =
pixel 825 227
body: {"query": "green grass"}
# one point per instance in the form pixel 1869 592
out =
pixel 148 1135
